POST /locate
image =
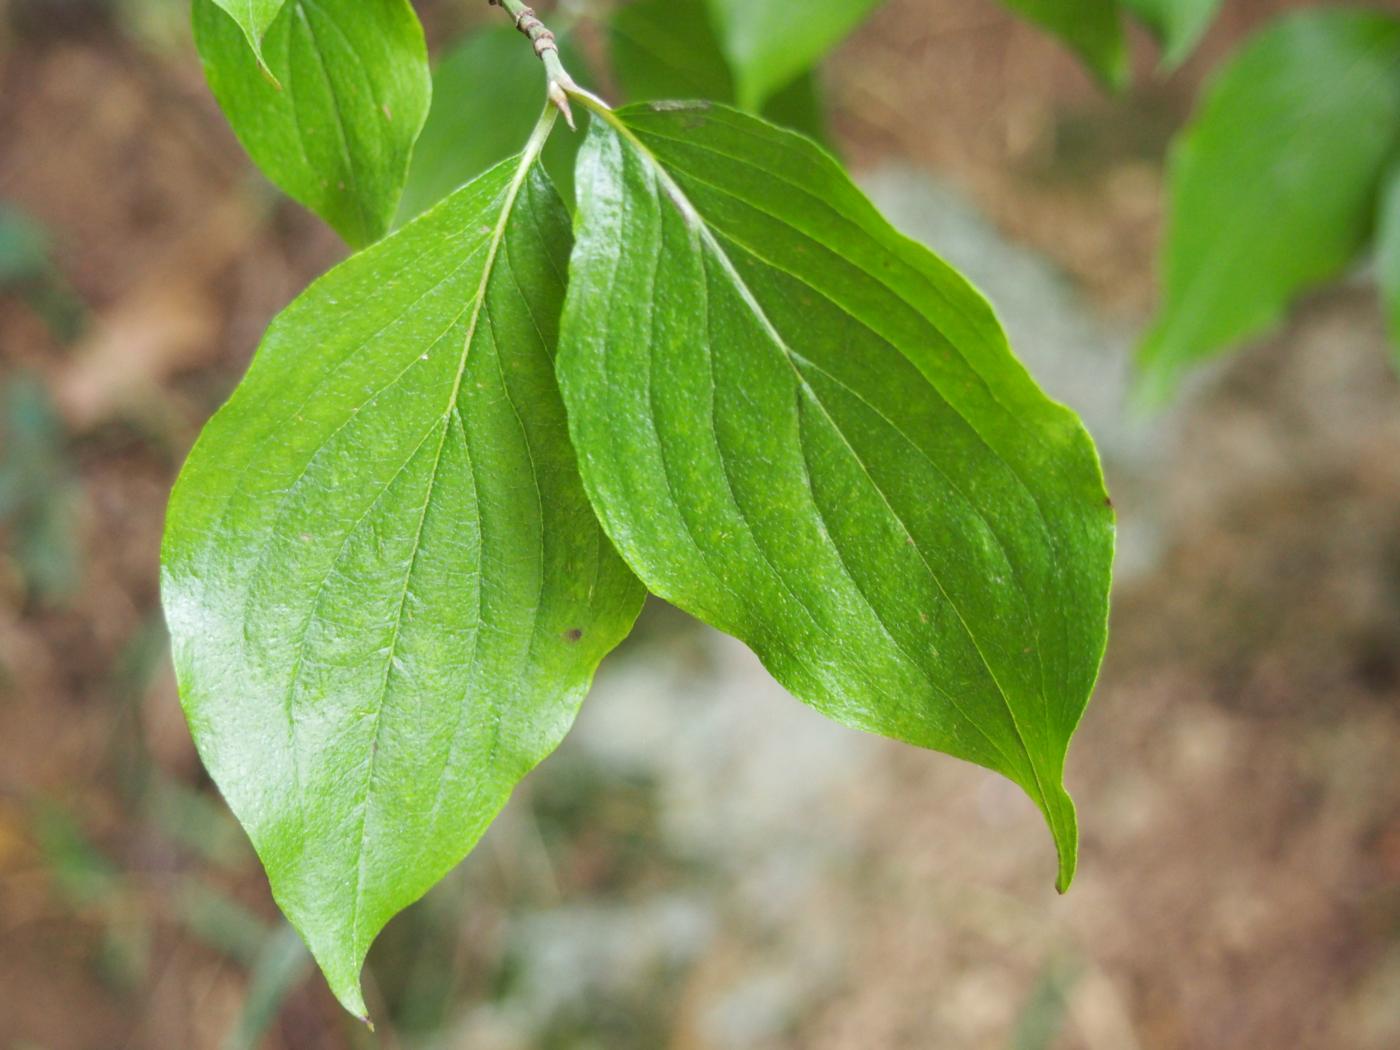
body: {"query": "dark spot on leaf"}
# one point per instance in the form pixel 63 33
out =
pixel 1108 502
pixel 573 634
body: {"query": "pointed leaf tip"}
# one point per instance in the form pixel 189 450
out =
pixel 1233 260
pixel 810 432
pixel 371 659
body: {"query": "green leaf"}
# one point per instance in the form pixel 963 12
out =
pixel 486 95
pixel 354 91
pixel 38 512
pixel 280 966
pixel 810 432
pixel 24 248
pixel 254 17
pixel 386 591
pixel 668 49
pixel 1178 24
pixel 1388 255
pixel 1273 186
pixel 1091 28
pixel 772 43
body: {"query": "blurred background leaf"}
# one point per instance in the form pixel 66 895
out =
pixel 487 94
pixel 37 494
pixel 668 49
pixel 1178 24
pixel 27 269
pixel 772 43
pixel 1274 184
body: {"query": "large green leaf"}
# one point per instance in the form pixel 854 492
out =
pixel 354 90
pixel 668 49
pixel 810 432
pixel 1388 255
pixel 1179 24
pixel 1273 186
pixel 254 17
pixel 386 591
pixel 770 44
pixel 1091 27
pixel 487 93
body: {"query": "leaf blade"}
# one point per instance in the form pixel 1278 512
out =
pixel 804 453
pixel 337 129
pixel 771 44
pixel 387 594
pixel 669 49
pixel 1178 24
pixel 1273 183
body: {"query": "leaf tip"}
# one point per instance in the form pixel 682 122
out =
pixel 1064 828
pixel 346 989
pixel 256 45
pixel 1157 372
pixel 1065 878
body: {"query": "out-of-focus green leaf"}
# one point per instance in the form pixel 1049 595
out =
pixel 809 432
pixel 26 264
pixel 36 489
pixel 1092 28
pixel 254 17
pixel 281 965
pixel 354 92
pixel 386 592
pixel 219 921
pixel 1274 184
pixel 801 107
pixel 79 869
pixel 1388 256
pixel 24 247
pixel 197 822
pixel 487 93
pixel 668 49
pixel 1042 1019
pixel 770 44
pixel 1178 24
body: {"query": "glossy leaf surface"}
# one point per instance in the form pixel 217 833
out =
pixel 810 432
pixel 1388 256
pixel 337 133
pixel 1178 24
pixel 770 44
pixel 1274 184
pixel 487 92
pixel 386 591
pixel 1091 28
pixel 668 49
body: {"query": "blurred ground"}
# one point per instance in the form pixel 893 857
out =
pixel 706 864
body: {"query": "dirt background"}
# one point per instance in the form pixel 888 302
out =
pixel 707 864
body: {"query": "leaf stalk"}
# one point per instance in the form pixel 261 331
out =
pixel 559 82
